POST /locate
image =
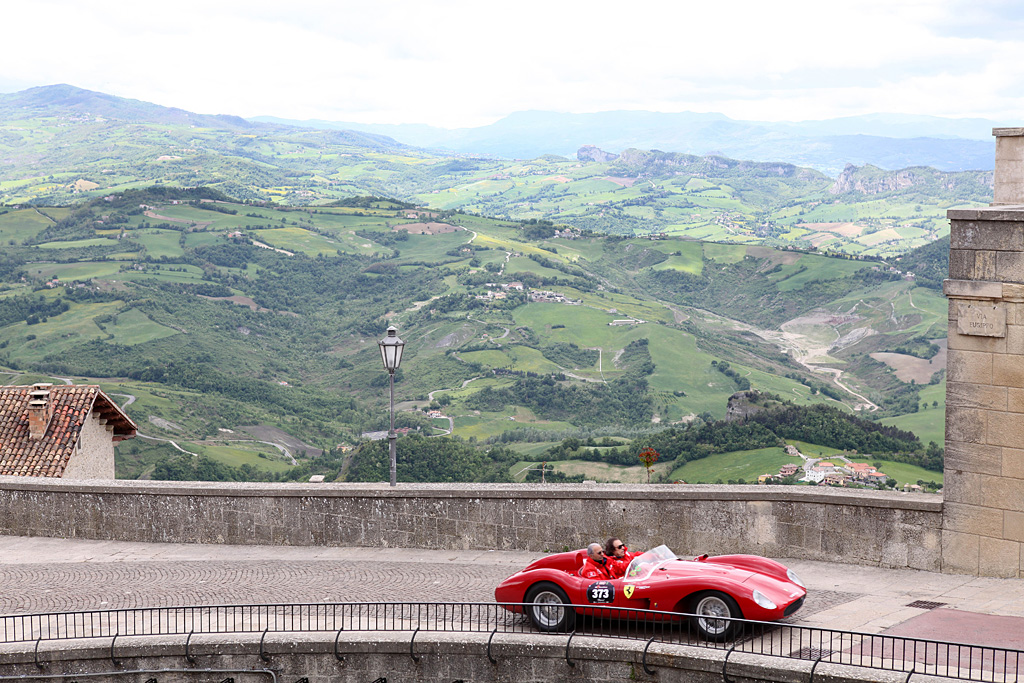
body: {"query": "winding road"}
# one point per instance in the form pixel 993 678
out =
pixel 790 342
pixel 130 399
pixel 451 420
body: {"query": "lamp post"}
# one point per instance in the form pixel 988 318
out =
pixel 391 354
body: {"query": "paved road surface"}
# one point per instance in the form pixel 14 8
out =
pixel 43 575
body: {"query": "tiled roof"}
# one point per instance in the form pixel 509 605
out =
pixel 70 405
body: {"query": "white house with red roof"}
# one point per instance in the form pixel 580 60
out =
pixel 65 431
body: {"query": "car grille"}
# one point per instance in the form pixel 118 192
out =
pixel 794 607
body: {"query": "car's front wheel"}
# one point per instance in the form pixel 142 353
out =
pixel 712 612
pixel 546 607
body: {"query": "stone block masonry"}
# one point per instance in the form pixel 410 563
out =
pixel 353 657
pixel 886 529
pixel 983 524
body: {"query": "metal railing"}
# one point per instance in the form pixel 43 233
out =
pixel 775 639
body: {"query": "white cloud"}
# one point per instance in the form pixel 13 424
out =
pixel 467 63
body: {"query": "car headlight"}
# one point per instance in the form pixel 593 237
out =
pixel 762 600
pixel 791 575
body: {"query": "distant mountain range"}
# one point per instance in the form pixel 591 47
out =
pixel 64 100
pixel 50 137
pixel 57 142
pixel 49 99
pixel 889 141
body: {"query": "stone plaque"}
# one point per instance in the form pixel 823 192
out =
pixel 983 320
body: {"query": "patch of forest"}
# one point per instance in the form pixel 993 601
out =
pixel 623 401
pixel 431 459
pixel 780 420
pixel 929 264
pixel 741 290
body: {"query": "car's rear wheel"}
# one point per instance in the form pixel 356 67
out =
pixel 548 611
pixel 712 611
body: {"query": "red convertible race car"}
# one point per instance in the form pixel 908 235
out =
pixel 737 586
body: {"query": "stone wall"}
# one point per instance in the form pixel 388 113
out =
pixel 372 656
pixel 94 453
pixel 886 529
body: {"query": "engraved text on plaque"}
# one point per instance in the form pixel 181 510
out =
pixel 985 320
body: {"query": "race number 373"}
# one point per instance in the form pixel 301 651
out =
pixel 602 591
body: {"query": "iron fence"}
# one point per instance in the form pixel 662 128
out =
pixel 775 639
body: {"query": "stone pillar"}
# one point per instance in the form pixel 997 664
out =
pixel 1009 176
pixel 983 512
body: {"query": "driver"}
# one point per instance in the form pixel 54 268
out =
pixel 596 566
pixel 618 557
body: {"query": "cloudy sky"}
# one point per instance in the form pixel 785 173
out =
pixel 455 63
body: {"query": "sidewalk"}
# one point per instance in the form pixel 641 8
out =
pixel 46 574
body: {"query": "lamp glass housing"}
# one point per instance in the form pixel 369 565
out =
pixel 391 348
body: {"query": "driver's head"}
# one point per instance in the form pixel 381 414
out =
pixel 595 551
pixel 614 547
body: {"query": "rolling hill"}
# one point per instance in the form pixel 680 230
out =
pixel 60 143
pixel 216 320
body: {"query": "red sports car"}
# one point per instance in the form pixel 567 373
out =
pixel 738 586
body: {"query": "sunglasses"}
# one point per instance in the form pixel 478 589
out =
pixel 620 547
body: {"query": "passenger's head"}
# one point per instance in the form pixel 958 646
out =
pixel 614 547
pixel 595 552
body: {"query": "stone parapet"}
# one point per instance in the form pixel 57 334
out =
pixel 885 529
pixel 354 657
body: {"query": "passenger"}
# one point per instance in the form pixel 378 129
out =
pixel 618 557
pixel 596 564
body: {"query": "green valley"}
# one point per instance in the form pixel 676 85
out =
pixel 229 280
pixel 243 335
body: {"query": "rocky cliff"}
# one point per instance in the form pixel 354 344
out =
pixel 745 403
pixel 872 180
pixel 591 153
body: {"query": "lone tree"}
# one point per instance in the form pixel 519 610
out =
pixel 648 457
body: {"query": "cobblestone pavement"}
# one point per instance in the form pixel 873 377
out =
pixel 110 585
pixel 44 574
pixel 54 575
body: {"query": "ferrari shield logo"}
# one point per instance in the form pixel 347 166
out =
pixel 628 591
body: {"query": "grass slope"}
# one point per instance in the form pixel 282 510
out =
pixel 294 340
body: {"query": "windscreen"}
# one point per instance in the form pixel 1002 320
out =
pixel 642 565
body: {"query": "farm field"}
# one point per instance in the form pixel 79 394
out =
pixel 735 466
pixel 238 453
pixel 297 240
pixel 528 449
pixel 594 471
pixel 76 244
pixel 432 247
pixel 904 473
pixel 520 358
pixel 911 368
pixel 525 265
pixel 487 425
pixel 929 424
pixel 161 243
pixel 20 224
pixel 58 334
pixel 813 450
pixel 135 327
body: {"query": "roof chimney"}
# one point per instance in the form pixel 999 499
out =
pixel 1009 175
pixel 39 410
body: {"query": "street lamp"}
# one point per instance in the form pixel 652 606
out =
pixel 391 354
